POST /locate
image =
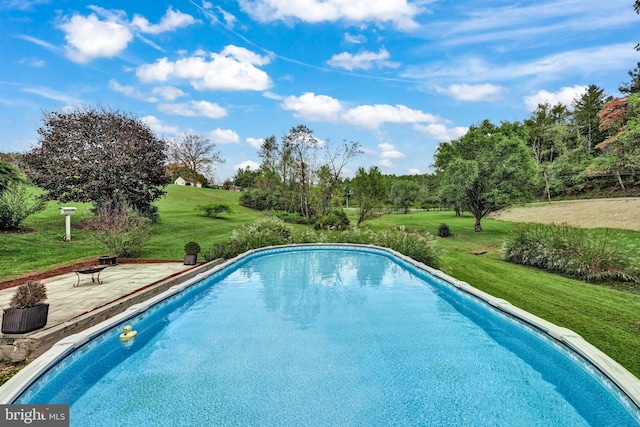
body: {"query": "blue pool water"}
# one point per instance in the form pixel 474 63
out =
pixel 328 336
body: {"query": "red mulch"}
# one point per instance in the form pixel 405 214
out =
pixel 68 269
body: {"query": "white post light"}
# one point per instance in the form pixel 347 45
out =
pixel 67 212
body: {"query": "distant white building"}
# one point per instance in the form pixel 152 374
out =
pixel 182 181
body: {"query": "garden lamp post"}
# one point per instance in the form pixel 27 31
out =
pixel 67 212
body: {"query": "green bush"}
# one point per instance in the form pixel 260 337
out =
pixel 16 204
pixel 573 252
pixel 120 229
pixel 334 220
pixel 420 247
pixel 443 230
pixel 291 218
pixel 212 210
pixel 192 248
pixel 219 250
pixel 268 231
pixel 271 231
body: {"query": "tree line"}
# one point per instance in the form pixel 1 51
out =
pixel 98 155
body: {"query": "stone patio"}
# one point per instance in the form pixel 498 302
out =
pixel 73 309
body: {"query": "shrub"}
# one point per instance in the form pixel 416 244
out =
pixel 121 230
pixel 192 248
pixel 420 247
pixel 30 294
pixel 268 231
pixel 219 250
pixel 291 218
pixel 16 204
pixel 334 220
pixel 443 230
pixel 213 209
pixel 150 212
pixel 271 231
pixel 573 252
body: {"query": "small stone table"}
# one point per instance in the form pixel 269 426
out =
pixel 90 270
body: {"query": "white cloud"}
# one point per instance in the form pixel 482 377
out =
pixel 89 38
pixel 313 107
pixel 389 151
pixel 171 20
pixel 255 142
pixel 401 13
pixel 156 125
pixel 130 91
pixel 355 39
pixel 272 95
pixel 169 93
pixel 363 60
pixel 372 116
pixel 224 136
pixel 232 69
pixel 194 108
pixel 440 132
pixel 414 171
pixel 564 96
pixel 325 108
pixel 254 166
pixel 466 92
pixel 386 163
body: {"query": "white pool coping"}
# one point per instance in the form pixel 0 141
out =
pixel 625 380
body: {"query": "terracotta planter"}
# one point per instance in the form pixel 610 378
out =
pixel 23 320
pixel 190 259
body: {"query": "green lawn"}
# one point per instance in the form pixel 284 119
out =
pixel 607 317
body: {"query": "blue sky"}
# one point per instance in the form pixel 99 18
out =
pixel 398 76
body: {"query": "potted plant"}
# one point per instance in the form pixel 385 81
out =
pixel 28 311
pixel 191 250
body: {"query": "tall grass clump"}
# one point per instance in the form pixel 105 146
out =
pixel 420 247
pixel 572 252
pixel 268 231
pixel 271 231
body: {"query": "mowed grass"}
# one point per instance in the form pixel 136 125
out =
pixel 181 221
pixel 607 317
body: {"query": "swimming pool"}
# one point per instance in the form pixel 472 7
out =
pixel 329 335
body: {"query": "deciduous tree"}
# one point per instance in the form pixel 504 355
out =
pixel 368 189
pixel 97 155
pixel 491 167
pixel 196 153
pixel 404 194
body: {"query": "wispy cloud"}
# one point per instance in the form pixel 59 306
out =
pixel 568 63
pixel 54 94
pixel 362 60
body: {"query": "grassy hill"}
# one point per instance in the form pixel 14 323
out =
pixel 607 317
pixel 42 247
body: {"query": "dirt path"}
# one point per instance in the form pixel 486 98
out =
pixel 603 213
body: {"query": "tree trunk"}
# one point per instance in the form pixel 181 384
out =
pixel 478 227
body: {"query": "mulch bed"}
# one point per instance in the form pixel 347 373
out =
pixel 69 268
